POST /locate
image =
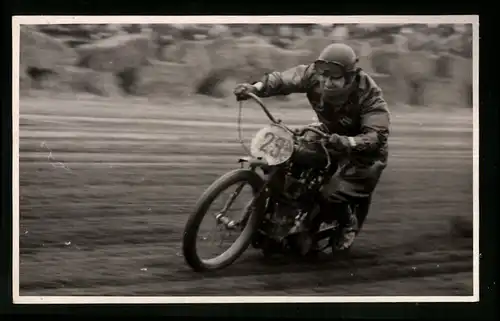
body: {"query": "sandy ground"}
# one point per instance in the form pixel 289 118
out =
pixel 106 188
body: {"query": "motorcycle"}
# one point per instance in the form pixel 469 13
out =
pixel 284 215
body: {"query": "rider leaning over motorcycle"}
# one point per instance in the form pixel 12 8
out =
pixel 349 105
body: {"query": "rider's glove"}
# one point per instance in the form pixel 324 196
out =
pixel 341 143
pixel 242 90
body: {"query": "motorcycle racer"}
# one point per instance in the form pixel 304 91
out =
pixel 350 107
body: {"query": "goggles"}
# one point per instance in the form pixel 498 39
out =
pixel 331 69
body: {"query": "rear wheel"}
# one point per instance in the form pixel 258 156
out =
pixel 239 178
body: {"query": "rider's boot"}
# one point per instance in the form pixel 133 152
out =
pixel 348 225
pixel 347 221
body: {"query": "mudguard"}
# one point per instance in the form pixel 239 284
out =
pixel 254 162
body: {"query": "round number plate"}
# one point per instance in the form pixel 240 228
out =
pixel 274 144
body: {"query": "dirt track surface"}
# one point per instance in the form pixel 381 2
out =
pixel 106 188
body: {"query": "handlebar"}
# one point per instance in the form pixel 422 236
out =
pixel 314 130
pixel 278 121
pixel 261 103
pixel 324 136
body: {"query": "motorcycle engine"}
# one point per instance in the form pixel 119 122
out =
pixel 283 219
pixel 297 182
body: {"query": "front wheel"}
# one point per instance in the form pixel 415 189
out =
pixel 247 225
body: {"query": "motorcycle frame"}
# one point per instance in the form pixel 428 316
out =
pixel 269 171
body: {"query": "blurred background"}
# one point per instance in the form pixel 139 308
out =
pixel 415 64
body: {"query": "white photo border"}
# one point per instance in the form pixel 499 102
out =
pixel 17 21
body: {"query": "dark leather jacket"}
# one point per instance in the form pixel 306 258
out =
pixel 365 116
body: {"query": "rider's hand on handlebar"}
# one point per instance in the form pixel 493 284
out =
pixel 339 142
pixel 241 91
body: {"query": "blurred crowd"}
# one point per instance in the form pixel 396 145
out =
pixel 416 64
pixel 456 39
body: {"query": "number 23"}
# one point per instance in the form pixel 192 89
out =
pixel 278 144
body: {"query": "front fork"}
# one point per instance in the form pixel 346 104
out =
pixel 221 217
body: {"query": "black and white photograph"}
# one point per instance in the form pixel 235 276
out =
pixel 245 159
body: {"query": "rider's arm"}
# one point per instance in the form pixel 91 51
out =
pixel 294 80
pixel 375 118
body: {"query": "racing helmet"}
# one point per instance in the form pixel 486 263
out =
pixel 336 64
